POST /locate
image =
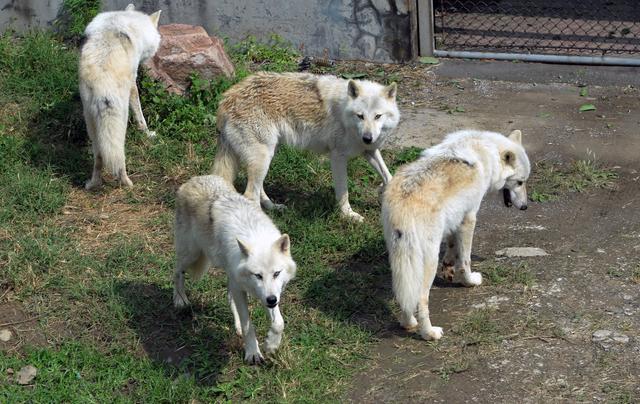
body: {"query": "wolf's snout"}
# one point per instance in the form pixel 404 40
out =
pixel 367 138
pixel 523 207
pixel 272 301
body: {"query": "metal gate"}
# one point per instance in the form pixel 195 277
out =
pixel 587 31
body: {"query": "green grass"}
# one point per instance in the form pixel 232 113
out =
pixel 498 274
pixel 95 268
pixel 548 181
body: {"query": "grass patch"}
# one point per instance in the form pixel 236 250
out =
pixel 549 181
pixel 95 268
pixel 498 274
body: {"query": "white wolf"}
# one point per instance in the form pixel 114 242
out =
pixel 324 114
pixel 438 196
pixel 217 226
pixel 116 43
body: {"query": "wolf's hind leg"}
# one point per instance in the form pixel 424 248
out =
pixel 428 331
pixel 258 161
pixel 464 240
pixel 450 259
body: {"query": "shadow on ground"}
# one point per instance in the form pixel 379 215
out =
pixel 176 340
pixel 58 140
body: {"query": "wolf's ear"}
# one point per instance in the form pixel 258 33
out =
pixel 155 17
pixel 516 136
pixel 508 157
pixel 390 91
pixel 130 7
pixel 353 89
pixel 244 249
pixel 283 244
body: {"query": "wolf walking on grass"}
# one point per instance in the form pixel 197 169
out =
pixel 438 196
pixel 324 114
pixel 116 43
pixel 217 226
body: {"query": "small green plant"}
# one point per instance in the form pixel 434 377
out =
pixel 274 55
pixel 548 180
pixel 75 15
pixel 498 274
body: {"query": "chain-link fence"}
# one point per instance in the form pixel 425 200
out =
pixel 553 27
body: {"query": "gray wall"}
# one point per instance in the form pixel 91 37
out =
pixel 378 30
pixel 23 14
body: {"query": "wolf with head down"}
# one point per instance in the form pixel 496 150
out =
pixel 438 197
pixel 324 114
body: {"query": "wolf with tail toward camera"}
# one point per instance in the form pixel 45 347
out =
pixel 217 226
pixel 324 114
pixel 115 44
pixel 437 197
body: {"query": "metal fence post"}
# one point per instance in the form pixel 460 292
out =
pixel 425 27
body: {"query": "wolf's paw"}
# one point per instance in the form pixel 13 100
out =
pixel 126 182
pixel 267 204
pixel 433 333
pixel 150 133
pixel 253 358
pixel 92 184
pixel 472 279
pixel 448 272
pixel 180 300
pixel 270 346
pixel 352 216
pixel 409 324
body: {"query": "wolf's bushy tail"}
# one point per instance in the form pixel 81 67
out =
pixel 225 163
pixel 111 128
pixel 407 268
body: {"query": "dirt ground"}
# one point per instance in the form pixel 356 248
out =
pixel 564 327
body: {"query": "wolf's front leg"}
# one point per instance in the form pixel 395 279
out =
pixel 275 332
pixel 136 108
pixel 339 172
pixel 252 354
pixel 464 240
pixel 375 159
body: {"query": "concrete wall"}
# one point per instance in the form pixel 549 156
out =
pixel 378 30
pixel 23 14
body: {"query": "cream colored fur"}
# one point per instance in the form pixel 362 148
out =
pixel 324 114
pixel 116 43
pixel 217 226
pixel 437 197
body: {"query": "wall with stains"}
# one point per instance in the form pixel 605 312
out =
pixel 23 14
pixel 376 30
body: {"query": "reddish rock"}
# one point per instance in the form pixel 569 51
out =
pixel 187 49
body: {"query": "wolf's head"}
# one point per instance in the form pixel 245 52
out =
pixel 372 110
pixel 515 171
pixel 266 269
pixel 146 36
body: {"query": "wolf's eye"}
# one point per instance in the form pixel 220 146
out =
pixel 275 274
pixel 361 116
pixel 520 183
pixel 378 116
pixel 258 276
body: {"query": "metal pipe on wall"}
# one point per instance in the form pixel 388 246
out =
pixel 579 60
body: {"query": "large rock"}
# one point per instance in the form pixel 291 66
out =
pixel 187 49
